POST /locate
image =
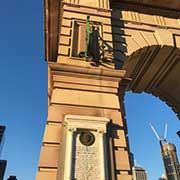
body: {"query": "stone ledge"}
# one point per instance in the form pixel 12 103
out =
pixel 88 70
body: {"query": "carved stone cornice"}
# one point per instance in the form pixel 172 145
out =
pixel 118 75
pixel 145 8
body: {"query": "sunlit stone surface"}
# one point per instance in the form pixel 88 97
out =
pixel 162 3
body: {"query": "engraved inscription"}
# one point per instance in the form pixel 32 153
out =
pixel 87 160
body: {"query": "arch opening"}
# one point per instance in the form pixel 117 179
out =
pixel 143 109
pixel 156 70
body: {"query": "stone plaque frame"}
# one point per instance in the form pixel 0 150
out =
pixel 72 125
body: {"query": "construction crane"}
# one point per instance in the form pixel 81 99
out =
pixel 160 139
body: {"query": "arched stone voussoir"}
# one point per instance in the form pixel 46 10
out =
pixel 156 70
pixel 141 40
pixel 169 102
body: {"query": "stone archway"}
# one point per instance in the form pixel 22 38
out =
pixel 155 67
pixel 145 44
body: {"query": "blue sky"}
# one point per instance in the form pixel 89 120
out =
pixel 142 109
pixel 23 94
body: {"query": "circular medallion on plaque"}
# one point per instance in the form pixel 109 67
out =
pixel 87 138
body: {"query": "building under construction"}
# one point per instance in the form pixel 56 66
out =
pixel 169 156
pixel 139 173
pixel 170 160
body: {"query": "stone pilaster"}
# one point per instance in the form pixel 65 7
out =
pixel 85 92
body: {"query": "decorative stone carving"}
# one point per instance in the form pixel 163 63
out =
pixel 87 138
